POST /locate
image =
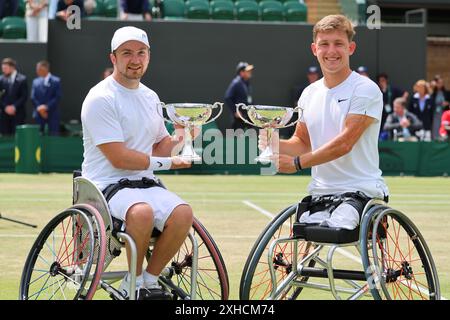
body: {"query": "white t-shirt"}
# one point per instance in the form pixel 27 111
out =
pixel 113 113
pixel 324 114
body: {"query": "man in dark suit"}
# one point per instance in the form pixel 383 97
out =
pixel 45 95
pixel 240 91
pixel 13 96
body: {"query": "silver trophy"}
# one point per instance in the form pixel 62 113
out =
pixel 270 118
pixel 191 115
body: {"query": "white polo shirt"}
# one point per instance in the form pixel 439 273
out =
pixel 324 114
pixel 114 113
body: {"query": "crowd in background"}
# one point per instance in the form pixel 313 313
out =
pixel 45 95
pixel 419 114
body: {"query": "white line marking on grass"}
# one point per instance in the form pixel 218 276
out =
pixel 259 209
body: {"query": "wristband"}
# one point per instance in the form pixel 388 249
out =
pixel 297 164
pixel 159 163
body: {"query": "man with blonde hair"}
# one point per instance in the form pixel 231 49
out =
pixel 337 136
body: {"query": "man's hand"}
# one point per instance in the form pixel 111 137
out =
pixel 147 17
pixel 43 111
pixel 404 122
pixel 180 163
pixel 262 140
pixel 284 163
pixel 10 110
pixel 180 132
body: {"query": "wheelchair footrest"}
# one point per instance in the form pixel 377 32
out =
pixel 316 233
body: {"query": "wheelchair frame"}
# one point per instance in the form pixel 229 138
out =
pixel 90 204
pixel 298 271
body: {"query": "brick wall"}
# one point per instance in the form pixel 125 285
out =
pixel 438 59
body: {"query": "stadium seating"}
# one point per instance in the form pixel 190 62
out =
pixel 222 10
pixel 197 9
pixel 247 10
pixel 174 9
pixel 13 28
pixel 110 8
pixel 271 10
pixel 295 11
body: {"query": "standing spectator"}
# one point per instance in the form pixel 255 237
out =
pixel 440 97
pixel 444 131
pixel 390 93
pixel 240 91
pixel 422 106
pixel 402 124
pixel 61 9
pixel 312 75
pixel 8 8
pixel 13 96
pixel 45 95
pixel 135 10
pixel 37 20
pixel 362 70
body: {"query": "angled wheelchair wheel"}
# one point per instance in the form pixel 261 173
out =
pixel 256 281
pixel 66 260
pixel 397 262
pixel 211 274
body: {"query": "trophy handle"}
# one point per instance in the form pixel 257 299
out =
pixel 300 115
pixel 220 104
pixel 238 105
pixel 170 120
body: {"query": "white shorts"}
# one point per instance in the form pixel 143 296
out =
pixel 162 202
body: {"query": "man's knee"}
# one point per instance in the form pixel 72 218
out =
pixel 140 215
pixel 182 216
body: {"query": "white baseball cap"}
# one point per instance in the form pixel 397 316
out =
pixel 128 33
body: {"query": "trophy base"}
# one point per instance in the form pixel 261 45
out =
pixel 263 160
pixel 191 158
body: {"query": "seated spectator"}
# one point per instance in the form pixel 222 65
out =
pixel 390 93
pixel 444 131
pixel 13 96
pixel 362 70
pixel 61 9
pixel 8 8
pixel 135 10
pixel 422 106
pixel 440 97
pixel 37 20
pixel 402 124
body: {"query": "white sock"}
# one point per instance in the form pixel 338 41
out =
pixel 149 279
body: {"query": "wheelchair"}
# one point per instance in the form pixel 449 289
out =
pixel 70 256
pixel 286 259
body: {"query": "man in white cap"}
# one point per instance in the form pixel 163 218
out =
pixel 125 140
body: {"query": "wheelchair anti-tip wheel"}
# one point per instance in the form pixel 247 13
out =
pixel 397 262
pixel 211 276
pixel 256 282
pixel 66 260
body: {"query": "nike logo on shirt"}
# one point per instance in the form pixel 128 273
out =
pixel 340 100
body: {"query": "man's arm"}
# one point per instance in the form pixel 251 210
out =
pixel 298 144
pixel 354 127
pixel 124 158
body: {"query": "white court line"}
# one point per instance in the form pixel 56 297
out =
pixel 340 250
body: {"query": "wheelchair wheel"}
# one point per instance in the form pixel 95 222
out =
pixel 66 260
pixel 212 277
pixel 256 281
pixel 397 261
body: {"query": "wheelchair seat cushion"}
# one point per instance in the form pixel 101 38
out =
pixel 316 233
